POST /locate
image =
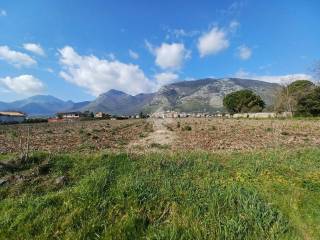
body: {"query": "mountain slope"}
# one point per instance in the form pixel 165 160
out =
pixel 117 102
pixel 187 96
pixel 206 94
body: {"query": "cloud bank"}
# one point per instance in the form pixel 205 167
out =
pixel 169 56
pixel 213 42
pixel 34 48
pixel 24 84
pixel 15 58
pixel 281 79
pixel 100 75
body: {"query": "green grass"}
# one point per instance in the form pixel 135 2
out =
pixel 262 195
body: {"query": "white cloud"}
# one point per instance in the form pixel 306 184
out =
pixel 170 56
pixel 244 52
pixel 133 54
pixel 24 84
pixel 213 42
pixel 18 59
pixel 3 13
pixel 180 33
pixel 149 46
pixel 100 75
pixel 34 48
pixel 281 79
pixel 234 25
pixel 165 78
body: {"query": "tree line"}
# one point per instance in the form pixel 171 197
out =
pixel 301 97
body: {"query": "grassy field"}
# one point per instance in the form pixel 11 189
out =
pixel 265 194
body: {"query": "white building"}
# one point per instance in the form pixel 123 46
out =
pixel 12 117
pixel 70 115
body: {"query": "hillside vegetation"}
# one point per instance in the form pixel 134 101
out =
pixel 269 194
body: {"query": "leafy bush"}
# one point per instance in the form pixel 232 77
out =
pixel 187 128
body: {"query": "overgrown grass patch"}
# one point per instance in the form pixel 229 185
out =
pixel 183 195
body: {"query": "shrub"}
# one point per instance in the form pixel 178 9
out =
pixel 187 128
pixel 213 128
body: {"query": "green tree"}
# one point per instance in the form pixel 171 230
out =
pixel 243 101
pixel 309 105
pixel 289 95
pixel 299 86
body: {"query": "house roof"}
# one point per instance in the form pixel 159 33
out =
pixel 12 114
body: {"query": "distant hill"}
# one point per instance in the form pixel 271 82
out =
pixel 187 96
pixel 117 102
pixel 41 105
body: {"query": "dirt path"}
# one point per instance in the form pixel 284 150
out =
pixel 160 138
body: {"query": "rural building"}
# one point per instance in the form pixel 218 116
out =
pixel 69 115
pixel 99 115
pixel 12 117
pixel 102 115
pixel 262 115
pixel 169 114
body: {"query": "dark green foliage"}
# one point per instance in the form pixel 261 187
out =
pixel 143 115
pixel 309 104
pixel 35 120
pixel 187 128
pixel 302 97
pixel 300 86
pixel 289 96
pixel 243 101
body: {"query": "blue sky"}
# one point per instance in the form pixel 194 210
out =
pixel 78 49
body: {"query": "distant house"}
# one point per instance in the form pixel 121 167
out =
pixel 261 115
pixel 99 115
pixel 69 115
pixel 12 117
pixel 170 114
pixel 102 115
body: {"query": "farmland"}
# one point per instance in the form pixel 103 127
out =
pixel 72 136
pixel 192 178
pixel 213 134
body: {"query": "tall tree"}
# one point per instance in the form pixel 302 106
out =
pixel 243 101
pixel 290 94
pixel 309 104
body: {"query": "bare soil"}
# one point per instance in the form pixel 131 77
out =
pixel 72 136
pixel 246 134
pixel 160 134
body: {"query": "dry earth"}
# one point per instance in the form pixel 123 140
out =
pixel 72 136
pixel 159 134
pixel 160 138
pixel 246 134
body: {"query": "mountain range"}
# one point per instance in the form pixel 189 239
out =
pixel 187 96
